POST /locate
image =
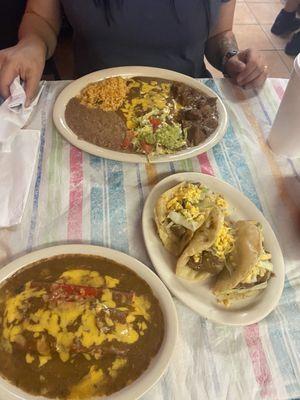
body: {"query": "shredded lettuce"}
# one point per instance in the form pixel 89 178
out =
pixel 179 219
pixel 266 264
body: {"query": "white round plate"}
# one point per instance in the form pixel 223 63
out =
pixel 158 364
pixel 197 295
pixel 128 72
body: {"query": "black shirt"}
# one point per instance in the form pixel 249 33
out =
pixel 161 33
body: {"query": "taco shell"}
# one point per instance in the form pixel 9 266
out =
pixel 172 242
pixel 202 240
pixel 245 255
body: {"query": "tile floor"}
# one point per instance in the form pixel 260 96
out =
pixel 252 24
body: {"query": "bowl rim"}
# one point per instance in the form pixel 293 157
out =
pixel 161 360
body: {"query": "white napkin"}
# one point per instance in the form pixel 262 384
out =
pixel 18 151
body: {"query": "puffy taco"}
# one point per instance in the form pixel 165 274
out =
pixel 248 267
pixel 205 254
pixel 181 211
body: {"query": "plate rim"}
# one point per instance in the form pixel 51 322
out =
pixel 198 175
pixel 159 289
pixel 58 115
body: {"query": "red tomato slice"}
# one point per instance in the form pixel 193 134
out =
pixel 155 122
pixel 128 139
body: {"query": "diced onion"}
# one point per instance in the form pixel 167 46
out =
pixel 179 219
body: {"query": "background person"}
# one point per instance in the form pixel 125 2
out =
pixel 172 34
pixel 287 22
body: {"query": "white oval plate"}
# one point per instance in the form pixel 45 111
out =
pixel 197 295
pixel 128 72
pixel 159 362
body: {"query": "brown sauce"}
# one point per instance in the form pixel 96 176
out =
pixel 89 369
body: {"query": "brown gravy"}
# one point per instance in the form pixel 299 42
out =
pixel 38 358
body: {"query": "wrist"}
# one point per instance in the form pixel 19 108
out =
pixel 34 41
pixel 226 57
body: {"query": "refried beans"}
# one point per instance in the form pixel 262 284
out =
pixel 102 128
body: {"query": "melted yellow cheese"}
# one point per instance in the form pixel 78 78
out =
pixel 89 385
pixel 141 306
pixel 111 282
pixel 117 364
pixel 57 320
pixel 153 96
pixel 123 333
pixel 83 277
pixel 15 305
pixel 29 358
pixel 43 360
pixel 107 298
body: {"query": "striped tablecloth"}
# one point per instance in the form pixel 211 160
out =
pixel 76 197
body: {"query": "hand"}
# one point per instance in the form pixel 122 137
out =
pixel 247 69
pixel 26 59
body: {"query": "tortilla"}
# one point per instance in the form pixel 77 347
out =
pixel 172 242
pixel 245 255
pixel 203 239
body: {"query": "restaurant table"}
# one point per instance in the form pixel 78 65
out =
pixel 77 197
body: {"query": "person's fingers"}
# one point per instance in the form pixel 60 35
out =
pixel 249 78
pixel 243 76
pixel 7 75
pixel 252 60
pixel 234 66
pixel 257 82
pixel 31 83
pixel 243 55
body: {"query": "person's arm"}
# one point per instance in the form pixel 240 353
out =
pixel 37 41
pixel 247 68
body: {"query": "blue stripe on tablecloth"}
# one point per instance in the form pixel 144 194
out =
pixel 97 204
pixel 232 165
pixel 245 182
pixel 172 167
pixel 140 186
pixel 117 206
pixel 36 193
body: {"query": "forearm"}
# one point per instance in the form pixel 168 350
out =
pixel 39 30
pixel 218 45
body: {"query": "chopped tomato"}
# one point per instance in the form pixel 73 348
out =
pixel 63 290
pixel 155 122
pixel 147 148
pixel 127 142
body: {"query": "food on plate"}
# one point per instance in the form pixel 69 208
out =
pixel 181 211
pixel 194 224
pixel 248 267
pixel 142 115
pixel 77 326
pixel 200 258
pixel 107 95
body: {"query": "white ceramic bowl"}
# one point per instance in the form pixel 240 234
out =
pixel 158 364
pixel 128 72
pixel 198 295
